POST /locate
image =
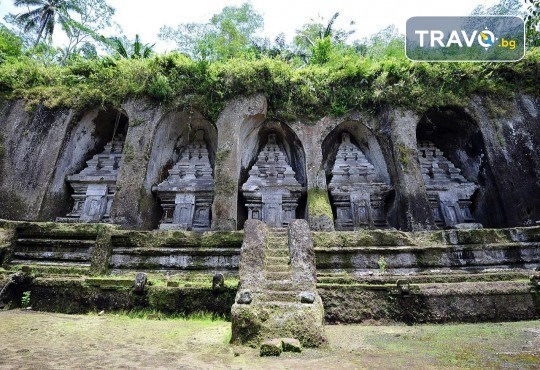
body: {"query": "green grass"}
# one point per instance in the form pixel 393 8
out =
pixel 147 314
pixel 461 345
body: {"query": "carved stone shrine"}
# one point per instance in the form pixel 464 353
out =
pixel 272 191
pixel 358 194
pixel 449 193
pixel 187 194
pixel 94 187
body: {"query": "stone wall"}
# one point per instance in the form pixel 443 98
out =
pixel 497 149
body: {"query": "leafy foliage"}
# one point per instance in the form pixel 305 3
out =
pixel 131 50
pixel 344 83
pixel 45 15
pixel 228 34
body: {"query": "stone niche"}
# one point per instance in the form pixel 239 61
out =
pixel 187 194
pixel 272 191
pixel 94 187
pixel 358 194
pixel 449 193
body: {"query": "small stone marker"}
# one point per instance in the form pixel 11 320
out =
pixel 404 287
pixel 272 347
pixel 140 282
pixel 291 345
pixel 307 297
pixel 218 282
pixel 245 298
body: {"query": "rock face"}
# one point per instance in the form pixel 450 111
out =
pixel 449 193
pixel 271 190
pixel 276 275
pixel 358 195
pixel 494 149
pixel 95 186
pixel 186 195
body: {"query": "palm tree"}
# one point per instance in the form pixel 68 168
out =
pixel 135 51
pixel 45 15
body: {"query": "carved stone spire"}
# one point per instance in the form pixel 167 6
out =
pixel 94 187
pixel 186 195
pixel 448 191
pixel 358 194
pixel 272 191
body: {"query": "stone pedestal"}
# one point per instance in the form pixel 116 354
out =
pixel 186 195
pixel 358 195
pixel 449 193
pixel 271 191
pixel 95 186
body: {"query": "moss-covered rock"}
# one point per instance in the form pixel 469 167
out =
pixel 320 213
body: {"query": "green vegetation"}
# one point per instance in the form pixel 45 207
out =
pixel 381 262
pixel 319 73
pixel 319 204
pixel 349 82
pixel 25 300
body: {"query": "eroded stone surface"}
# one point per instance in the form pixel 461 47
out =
pixel 187 194
pixel 449 193
pixel 271 191
pixel 358 194
pixel 272 347
pixel 291 345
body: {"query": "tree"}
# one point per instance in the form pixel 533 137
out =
pixel 46 15
pixel 384 44
pixel 10 44
pixel 229 33
pixel 92 17
pixel 310 33
pixel 131 50
pixel 503 7
pixel 532 22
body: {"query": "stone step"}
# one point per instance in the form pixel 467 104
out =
pixel 277 275
pixel 56 243
pixel 279 247
pixel 280 296
pixel 280 285
pixel 277 268
pixel 273 261
pixel 53 255
pixel 277 253
pixel 49 263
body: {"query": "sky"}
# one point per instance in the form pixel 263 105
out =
pixel 145 17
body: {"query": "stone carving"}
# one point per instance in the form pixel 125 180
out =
pixel 358 194
pixel 94 187
pixel 271 191
pixel 140 282
pixel 449 193
pixel 187 194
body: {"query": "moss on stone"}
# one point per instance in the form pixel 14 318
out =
pixel 319 203
pixel 129 153
pixel 406 156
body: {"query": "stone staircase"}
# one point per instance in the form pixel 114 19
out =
pixel 54 245
pixel 278 286
pixel 277 296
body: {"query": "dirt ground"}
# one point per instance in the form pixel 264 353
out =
pixel 55 341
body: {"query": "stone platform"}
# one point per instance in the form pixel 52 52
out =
pixel 437 276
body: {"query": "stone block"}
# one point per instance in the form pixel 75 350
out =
pixel 291 345
pixel 272 347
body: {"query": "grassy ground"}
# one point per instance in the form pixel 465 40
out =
pixel 53 341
